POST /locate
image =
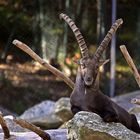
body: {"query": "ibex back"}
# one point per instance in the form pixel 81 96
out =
pixel 86 95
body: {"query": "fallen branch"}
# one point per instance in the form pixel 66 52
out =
pixel 4 127
pixel 37 130
pixel 130 63
pixel 55 71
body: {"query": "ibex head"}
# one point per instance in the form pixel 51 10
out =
pixel 89 65
pixel 86 67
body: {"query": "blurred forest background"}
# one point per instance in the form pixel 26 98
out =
pixel 36 23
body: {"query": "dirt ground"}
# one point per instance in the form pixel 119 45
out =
pixel 23 85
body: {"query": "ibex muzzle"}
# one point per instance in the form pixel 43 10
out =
pixel 86 95
pixel 87 70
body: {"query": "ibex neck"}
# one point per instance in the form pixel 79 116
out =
pixel 79 79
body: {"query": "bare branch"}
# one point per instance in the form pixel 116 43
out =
pixel 27 125
pixel 130 63
pixel 135 101
pixel 4 127
pixel 55 71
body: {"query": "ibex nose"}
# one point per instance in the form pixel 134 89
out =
pixel 89 79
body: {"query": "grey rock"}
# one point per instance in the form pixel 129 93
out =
pixel 63 126
pixel 13 127
pixel 63 109
pixel 48 114
pixel 135 110
pixel 89 126
pixel 59 134
pixel 6 112
pixel 125 100
pixel 50 121
pixel 138 118
pixel 41 109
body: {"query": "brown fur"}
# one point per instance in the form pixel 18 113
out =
pixel 90 98
pixel 86 95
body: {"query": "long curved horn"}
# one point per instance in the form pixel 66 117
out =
pixel 107 39
pixel 77 33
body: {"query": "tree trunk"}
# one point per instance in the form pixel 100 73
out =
pixel 113 53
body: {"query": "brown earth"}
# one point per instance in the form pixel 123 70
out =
pixel 23 85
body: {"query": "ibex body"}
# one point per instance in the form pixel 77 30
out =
pixel 86 95
pixel 90 98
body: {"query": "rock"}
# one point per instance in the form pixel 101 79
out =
pixel 138 118
pixel 135 110
pixel 42 109
pixel 63 109
pixel 125 100
pixel 13 127
pixel 6 112
pixel 48 114
pixel 59 134
pixel 89 126
pixel 63 126
pixel 50 121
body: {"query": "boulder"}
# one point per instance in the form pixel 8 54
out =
pixel 125 100
pixel 59 134
pixel 63 109
pixel 49 114
pixel 6 112
pixel 135 110
pixel 13 127
pixel 50 121
pixel 90 126
pixel 42 109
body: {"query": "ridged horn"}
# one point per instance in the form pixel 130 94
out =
pixel 107 39
pixel 77 33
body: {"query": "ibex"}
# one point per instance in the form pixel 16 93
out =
pixel 86 95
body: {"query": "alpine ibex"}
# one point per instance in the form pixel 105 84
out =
pixel 86 95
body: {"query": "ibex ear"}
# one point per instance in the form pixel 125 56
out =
pixel 103 62
pixel 76 61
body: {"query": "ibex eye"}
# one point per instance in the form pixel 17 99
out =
pixel 83 65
